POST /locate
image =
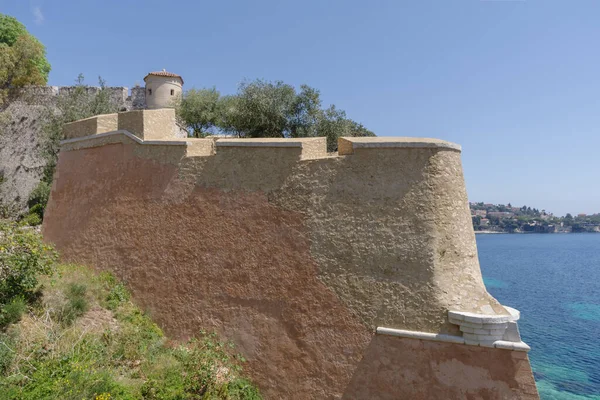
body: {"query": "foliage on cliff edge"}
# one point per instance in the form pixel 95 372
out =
pixel 22 58
pixel 82 337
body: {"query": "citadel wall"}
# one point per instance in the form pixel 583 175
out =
pixel 134 99
pixel 352 276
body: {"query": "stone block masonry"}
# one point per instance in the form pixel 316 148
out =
pixel 91 126
pixel 350 276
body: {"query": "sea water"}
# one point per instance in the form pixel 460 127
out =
pixel 554 280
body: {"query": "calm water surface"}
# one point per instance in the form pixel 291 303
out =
pixel 554 280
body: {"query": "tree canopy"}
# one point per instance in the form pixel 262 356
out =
pixel 266 109
pixel 22 57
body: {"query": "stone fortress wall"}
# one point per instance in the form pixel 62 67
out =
pixel 134 99
pixel 350 276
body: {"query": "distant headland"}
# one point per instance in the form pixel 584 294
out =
pixel 500 218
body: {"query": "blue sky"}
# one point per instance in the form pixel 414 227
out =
pixel 516 83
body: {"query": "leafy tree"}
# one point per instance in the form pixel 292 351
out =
pixel 266 109
pixel 334 124
pixel 22 58
pixel 568 219
pixel 306 113
pixel 10 29
pixel 200 111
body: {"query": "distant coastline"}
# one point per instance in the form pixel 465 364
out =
pixel 527 233
pixel 491 218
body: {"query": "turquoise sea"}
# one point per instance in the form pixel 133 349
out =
pixel 554 280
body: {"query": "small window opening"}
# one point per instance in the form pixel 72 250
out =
pixel 149 92
pixel 172 92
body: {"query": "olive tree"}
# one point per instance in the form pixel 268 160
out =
pixel 266 109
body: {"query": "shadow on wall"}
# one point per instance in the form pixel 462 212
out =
pixel 393 368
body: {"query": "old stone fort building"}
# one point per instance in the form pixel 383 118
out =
pixel 160 89
pixel 345 276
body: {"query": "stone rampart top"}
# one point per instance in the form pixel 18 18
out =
pixel 161 124
pixel 348 145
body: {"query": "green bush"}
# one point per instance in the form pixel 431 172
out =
pixel 39 195
pixel 23 259
pixel 76 304
pixel 7 354
pixel 31 220
pixel 118 295
pixel 37 209
pixel 38 199
pixel 12 312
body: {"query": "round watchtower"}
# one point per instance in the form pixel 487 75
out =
pixel 162 88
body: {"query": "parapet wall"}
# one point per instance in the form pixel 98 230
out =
pixel 119 95
pixel 350 276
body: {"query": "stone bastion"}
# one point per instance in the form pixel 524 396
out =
pixel 352 276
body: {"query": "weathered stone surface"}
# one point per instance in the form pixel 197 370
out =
pixel 21 160
pixel 398 368
pixel 151 124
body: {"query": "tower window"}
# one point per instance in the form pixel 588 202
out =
pixel 149 92
pixel 172 92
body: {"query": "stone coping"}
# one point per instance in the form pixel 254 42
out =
pixel 129 135
pixel 266 142
pixel 310 148
pixel 438 337
pixel 513 315
pixel 349 144
pixel 89 118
